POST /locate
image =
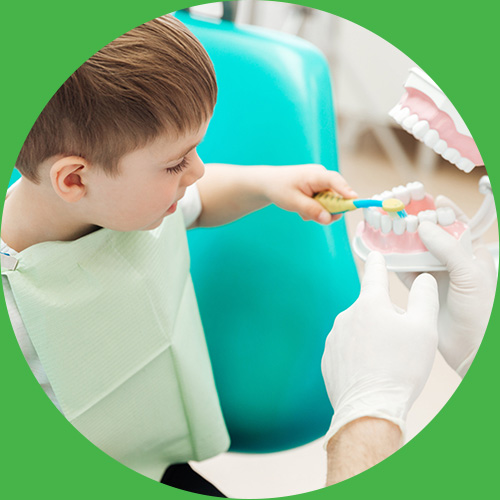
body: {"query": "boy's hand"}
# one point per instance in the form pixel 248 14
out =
pixel 292 188
pixel 229 192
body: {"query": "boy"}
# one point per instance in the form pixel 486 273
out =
pixel 97 278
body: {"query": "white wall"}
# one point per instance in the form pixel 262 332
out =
pixel 368 71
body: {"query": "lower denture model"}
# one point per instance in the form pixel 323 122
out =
pixel 397 238
pixel 426 113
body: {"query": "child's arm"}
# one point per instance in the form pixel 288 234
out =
pixel 229 192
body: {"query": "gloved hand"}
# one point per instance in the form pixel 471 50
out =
pixel 377 358
pixel 466 291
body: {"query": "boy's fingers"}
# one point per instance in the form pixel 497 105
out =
pixel 334 181
pixel 310 209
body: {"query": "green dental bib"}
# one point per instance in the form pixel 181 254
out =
pixel 114 320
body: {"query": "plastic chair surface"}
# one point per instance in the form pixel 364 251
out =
pixel 269 286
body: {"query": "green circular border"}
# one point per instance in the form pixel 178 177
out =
pixel 43 43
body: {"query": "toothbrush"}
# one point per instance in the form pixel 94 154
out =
pixel 338 205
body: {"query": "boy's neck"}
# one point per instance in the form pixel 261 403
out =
pixel 35 214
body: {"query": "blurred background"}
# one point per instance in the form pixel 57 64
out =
pixel 375 154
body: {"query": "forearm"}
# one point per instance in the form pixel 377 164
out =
pixel 360 445
pixel 228 192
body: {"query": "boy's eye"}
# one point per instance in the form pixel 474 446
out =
pixel 178 168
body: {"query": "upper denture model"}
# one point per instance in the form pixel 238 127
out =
pixel 426 113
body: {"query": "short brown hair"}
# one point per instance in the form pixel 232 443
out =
pixel 155 79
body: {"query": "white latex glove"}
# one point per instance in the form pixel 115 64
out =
pixel 378 358
pixel 466 291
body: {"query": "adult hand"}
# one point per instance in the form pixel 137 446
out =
pixel 466 291
pixel 377 357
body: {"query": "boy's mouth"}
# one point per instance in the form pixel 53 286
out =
pixel 172 208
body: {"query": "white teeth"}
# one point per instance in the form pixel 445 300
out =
pixel 416 190
pixel 375 218
pixel 395 109
pixel 386 195
pixel 465 164
pixel 410 122
pixel 485 185
pixel 401 193
pixel 372 217
pixel 431 138
pixel 399 113
pixel 399 225
pixel 440 146
pixel 386 223
pixel 451 154
pixel 394 112
pixel 420 129
pixel 366 215
pixel 428 215
pixel 411 223
pixel 402 114
pixel 445 216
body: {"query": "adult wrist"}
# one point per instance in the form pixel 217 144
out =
pixel 391 404
pixel 360 445
pixel 366 427
pixel 341 419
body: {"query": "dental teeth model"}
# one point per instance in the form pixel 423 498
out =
pixel 426 113
pixel 397 239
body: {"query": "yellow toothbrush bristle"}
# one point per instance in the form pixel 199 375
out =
pixel 393 205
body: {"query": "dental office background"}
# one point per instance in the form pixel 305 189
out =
pixel 374 155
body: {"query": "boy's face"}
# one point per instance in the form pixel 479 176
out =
pixel 150 182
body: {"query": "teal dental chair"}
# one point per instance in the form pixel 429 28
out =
pixel 269 286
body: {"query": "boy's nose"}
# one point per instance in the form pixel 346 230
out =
pixel 194 172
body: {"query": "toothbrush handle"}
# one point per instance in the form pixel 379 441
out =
pixel 333 203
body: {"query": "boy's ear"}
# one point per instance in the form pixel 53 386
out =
pixel 67 176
